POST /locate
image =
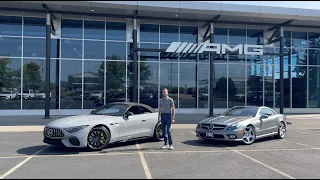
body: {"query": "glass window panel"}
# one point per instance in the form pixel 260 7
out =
pixel 286 86
pixel 188 85
pixel 34 27
pixel 299 39
pixel 314 57
pixel 71 49
pixel 220 86
pixel 94 49
pixel 285 58
pixel 314 40
pixel 268 84
pixel 257 39
pixel 237 58
pixel 236 84
pixel 218 58
pixel 116 31
pixel 203 75
pixel 169 80
pixel 10 46
pixel 299 86
pixel 71 84
pixel 169 33
pixel 10 83
pixel 221 35
pixel 93 85
pixel 237 36
pixel 55 48
pixel 116 50
pixel 314 87
pixel 254 81
pixel 149 33
pixel 299 56
pixel 115 81
pixel 10 25
pixel 34 47
pixel 33 94
pixel 167 57
pixel 149 73
pixel 149 56
pixel 188 34
pixel 71 28
pixel 94 30
pixel 287 39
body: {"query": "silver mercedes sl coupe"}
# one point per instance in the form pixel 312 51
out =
pixel 244 124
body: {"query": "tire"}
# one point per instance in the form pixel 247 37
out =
pixel 157 133
pixel 96 144
pixel 249 136
pixel 282 130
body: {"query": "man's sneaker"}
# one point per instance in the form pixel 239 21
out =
pixel 171 147
pixel 165 147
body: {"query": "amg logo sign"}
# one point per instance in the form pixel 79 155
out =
pixel 191 48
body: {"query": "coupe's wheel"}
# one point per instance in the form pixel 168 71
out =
pixel 249 135
pixel 157 135
pixel 282 130
pixel 98 138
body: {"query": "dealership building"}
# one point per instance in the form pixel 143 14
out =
pixel 110 51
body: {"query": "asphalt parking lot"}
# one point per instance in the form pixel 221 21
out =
pixel 23 155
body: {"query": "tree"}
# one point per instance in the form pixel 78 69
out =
pixel 5 73
pixel 31 76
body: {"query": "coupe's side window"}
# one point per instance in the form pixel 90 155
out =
pixel 144 110
pixel 265 111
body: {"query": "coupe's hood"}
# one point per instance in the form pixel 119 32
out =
pixel 225 120
pixel 80 120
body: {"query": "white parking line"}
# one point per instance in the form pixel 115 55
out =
pixel 21 163
pixel 265 165
pixel 298 144
pixel 144 163
pixel 261 163
pixel 193 133
pixel 308 133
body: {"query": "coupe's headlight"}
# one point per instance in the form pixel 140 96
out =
pixel 77 128
pixel 234 126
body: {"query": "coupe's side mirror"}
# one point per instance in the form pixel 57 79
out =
pixel 128 114
pixel 93 111
pixel 263 117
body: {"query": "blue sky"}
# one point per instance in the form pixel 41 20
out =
pixel 289 4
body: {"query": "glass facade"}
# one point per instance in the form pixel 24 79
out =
pixel 91 66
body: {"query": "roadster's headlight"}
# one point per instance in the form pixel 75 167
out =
pixel 76 128
pixel 234 126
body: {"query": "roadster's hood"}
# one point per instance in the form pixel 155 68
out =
pixel 225 120
pixel 81 120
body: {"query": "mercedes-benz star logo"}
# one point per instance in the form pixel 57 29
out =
pixel 211 126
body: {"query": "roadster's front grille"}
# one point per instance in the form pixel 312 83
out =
pixel 215 126
pixel 53 132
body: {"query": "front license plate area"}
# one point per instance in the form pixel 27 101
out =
pixel 209 135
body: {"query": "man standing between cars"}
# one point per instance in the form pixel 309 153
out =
pixel 166 115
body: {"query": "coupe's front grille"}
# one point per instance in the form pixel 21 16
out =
pixel 53 132
pixel 215 126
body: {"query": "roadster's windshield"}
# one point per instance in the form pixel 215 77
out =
pixel 242 111
pixel 111 110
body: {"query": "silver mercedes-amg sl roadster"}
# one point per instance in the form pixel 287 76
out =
pixel 244 124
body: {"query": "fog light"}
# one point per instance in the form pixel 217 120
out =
pixel 74 141
pixel 232 136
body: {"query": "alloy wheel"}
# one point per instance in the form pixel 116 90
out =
pixel 97 139
pixel 249 135
pixel 282 130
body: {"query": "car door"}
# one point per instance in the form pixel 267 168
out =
pixel 131 127
pixel 148 123
pixel 269 124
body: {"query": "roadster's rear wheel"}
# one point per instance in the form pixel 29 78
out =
pixel 157 135
pixel 98 138
pixel 249 135
pixel 282 131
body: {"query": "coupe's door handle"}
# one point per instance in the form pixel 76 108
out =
pixel 114 123
pixel 144 120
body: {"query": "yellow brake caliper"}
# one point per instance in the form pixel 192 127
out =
pixel 101 137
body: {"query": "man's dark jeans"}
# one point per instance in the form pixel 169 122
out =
pixel 166 127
